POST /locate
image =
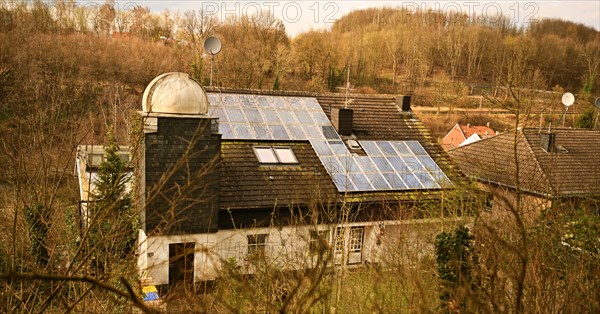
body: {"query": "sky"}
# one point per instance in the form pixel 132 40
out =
pixel 303 15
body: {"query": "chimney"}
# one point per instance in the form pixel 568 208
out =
pixel 547 141
pixel 181 148
pixel 487 124
pixel 341 118
pixel 403 102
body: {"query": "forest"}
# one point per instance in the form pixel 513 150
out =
pixel 71 73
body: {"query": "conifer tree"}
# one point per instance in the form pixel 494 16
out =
pixel 114 222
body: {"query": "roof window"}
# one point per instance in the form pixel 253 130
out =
pixel 275 155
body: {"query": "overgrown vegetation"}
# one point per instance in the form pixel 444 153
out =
pixel 63 77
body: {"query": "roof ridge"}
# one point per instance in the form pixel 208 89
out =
pixel 295 93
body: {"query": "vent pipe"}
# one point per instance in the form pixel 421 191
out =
pixel 341 118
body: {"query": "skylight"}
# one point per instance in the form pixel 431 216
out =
pixel 275 155
pixel 285 155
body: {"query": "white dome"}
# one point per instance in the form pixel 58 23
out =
pixel 175 93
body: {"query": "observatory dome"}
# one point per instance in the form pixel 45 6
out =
pixel 174 93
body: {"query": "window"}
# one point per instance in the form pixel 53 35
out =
pixel 356 239
pixel 94 159
pixel 339 240
pixel 275 155
pixel 265 155
pixel 285 155
pixel 257 244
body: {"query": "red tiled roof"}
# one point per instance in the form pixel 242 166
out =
pixel 481 130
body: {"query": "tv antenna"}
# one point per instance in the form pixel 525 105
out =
pixel 212 46
pixel 567 99
pixel 347 88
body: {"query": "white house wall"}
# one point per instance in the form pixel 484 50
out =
pixel 287 247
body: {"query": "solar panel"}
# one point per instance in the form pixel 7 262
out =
pixel 287 116
pixel 300 117
pixel 382 164
pixel 263 102
pixel 386 148
pixel 321 148
pixel 411 181
pixel 416 148
pixel 361 182
pixel 378 182
pixel 330 133
pixel 312 131
pixel 401 149
pixel 279 131
pixel 370 148
pixel 261 131
pixel 243 130
pixel 296 132
pixel 271 117
pixel 338 148
pixel 304 117
pixel 253 115
pixel 394 180
pixel 235 115
pixel 366 164
pixel 389 165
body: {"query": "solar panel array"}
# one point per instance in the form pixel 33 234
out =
pixel 389 165
pixel 259 117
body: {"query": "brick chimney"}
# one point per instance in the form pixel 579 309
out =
pixel 341 118
pixel 403 102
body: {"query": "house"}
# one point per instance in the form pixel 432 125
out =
pixel 228 175
pixel 462 134
pixel 87 162
pixel 549 168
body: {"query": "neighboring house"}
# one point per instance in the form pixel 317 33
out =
pixel 550 168
pixel 88 159
pixel 227 175
pixel 463 134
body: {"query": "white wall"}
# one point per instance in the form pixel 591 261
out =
pixel 286 247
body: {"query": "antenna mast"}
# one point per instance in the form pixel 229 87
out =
pixel 347 84
pixel 347 88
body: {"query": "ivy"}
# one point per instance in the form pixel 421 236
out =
pixel 456 261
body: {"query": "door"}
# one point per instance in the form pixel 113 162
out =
pixel 181 264
pixel 349 245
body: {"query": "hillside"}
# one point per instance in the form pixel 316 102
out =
pixel 69 74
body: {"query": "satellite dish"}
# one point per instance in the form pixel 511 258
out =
pixel 568 99
pixel 212 45
pixel 597 103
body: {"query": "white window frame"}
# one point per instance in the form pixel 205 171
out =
pixel 349 243
pixel 356 239
pixel 278 158
pixel 257 244
pixel 266 149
